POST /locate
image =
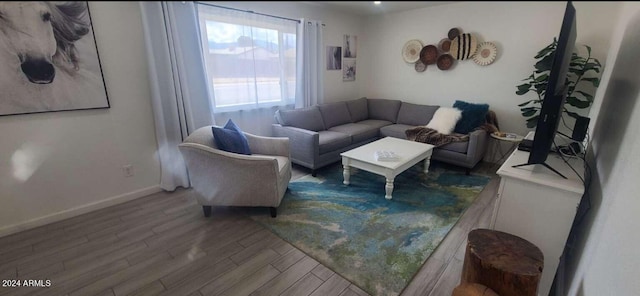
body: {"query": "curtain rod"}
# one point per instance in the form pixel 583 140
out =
pixel 249 11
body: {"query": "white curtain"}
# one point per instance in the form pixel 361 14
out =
pixel 179 89
pixel 309 90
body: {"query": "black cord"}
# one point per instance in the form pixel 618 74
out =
pixel 563 135
pixel 570 166
pixel 586 182
pixel 585 202
pixel 565 123
pixel 588 178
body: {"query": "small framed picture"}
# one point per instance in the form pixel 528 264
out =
pixel 349 70
pixel 334 57
pixel 350 46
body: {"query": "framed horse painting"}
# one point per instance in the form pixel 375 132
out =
pixel 48 58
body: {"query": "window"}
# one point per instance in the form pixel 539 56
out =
pixel 250 59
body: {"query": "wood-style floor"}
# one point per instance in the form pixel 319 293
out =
pixel 162 245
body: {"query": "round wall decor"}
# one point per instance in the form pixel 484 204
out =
pixel 485 53
pixel 420 66
pixel 453 33
pixel 445 45
pixel 429 54
pixel 411 51
pixel 445 62
pixel 463 46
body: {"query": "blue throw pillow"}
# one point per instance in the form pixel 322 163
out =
pixel 231 139
pixel 473 115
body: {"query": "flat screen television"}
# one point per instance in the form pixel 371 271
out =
pixel 555 93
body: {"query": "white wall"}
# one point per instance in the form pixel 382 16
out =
pixel 53 165
pixel 519 30
pixel 605 260
pixel 337 24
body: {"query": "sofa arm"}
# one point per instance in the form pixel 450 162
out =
pixel 268 145
pixel 304 144
pixel 223 178
pixel 477 145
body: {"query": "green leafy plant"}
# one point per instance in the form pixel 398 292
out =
pixel 582 81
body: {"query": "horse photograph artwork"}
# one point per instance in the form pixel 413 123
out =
pixel 48 58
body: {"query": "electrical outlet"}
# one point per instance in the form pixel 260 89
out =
pixel 128 170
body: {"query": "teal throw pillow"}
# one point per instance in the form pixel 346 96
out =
pixel 231 139
pixel 473 116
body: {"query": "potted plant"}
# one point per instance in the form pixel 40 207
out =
pixel 582 81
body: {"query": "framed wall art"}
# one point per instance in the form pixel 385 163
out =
pixel 48 58
pixel 334 58
pixel 350 46
pixel 349 70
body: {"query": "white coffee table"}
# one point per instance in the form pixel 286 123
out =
pixel 364 158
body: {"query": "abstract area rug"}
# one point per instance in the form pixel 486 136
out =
pixel 375 243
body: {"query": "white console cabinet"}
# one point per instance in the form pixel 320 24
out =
pixel 539 206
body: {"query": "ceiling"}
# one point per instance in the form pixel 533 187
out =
pixel 365 8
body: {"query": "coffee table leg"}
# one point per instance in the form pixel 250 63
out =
pixel 346 174
pixel 388 188
pixel 427 163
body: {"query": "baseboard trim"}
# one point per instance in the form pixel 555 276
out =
pixel 77 211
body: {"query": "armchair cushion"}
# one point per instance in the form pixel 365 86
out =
pixel 231 139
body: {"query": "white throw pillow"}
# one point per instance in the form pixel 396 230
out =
pixel 445 119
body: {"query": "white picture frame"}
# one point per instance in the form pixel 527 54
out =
pixel 334 58
pixel 349 70
pixel 350 46
pixel 49 59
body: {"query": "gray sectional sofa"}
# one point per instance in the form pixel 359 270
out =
pixel 319 134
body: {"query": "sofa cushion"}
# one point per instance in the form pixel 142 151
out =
pixel 375 123
pixel 358 132
pixel 395 130
pixel 445 119
pixel 460 147
pixel 358 109
pixel 414 114
pixel 330 141
pixel 473 115
pixel 306 118
pixel 230 138
pixel 334 114
pixel 383 109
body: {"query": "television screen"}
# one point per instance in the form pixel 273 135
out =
pixel 555 93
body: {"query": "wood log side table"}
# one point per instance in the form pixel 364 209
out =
pixel 505 263
pixel 473 289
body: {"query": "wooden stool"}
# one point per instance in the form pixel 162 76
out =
pixel 507 264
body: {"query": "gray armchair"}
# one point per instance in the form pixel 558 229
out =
pixel 221 178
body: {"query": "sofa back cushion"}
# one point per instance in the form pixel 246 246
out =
pixel 358 109
pixel 334 114
pixel 414 114
pixel 383 109
pixel 306 118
